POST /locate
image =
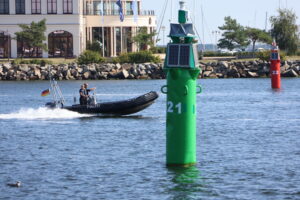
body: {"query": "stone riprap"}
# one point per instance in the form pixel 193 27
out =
pixel 81 72
pixel 248 69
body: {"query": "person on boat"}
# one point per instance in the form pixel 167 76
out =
pixel 83 96
pixel 86 90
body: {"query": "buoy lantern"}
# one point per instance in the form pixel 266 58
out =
pixel 275 67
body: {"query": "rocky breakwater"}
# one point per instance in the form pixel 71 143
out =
pixel 247 69
pixel 81 72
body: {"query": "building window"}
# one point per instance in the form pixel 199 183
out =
pixel 4 45
pixel 118 40
pixel 129 10
pixel 105 8
pixel 68 6
pixel 97 7
pixel 20 6
pixel 60 44
pixel 4 6
pixel 103 38
pixel 126 39
pixel 25 51
pixel 36 6
pixel 89 8
pixel 114 8
pixel 52 7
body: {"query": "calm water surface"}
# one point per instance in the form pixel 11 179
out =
pixel 248 144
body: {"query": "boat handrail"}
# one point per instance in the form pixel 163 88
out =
pixel 57 95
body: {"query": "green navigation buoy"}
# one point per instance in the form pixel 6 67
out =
pixel 182 69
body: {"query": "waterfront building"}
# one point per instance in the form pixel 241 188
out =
pixel 71 24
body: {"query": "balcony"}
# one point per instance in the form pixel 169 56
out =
pixel 116 12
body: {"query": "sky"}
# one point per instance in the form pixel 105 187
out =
pixel 247 13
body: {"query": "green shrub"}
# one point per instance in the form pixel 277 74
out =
pixel 209 53
pixel 247 54
pixel 265 55
pixel 200 55
pixel 215 54
pixel 283 56
pixel 115 60
pixel 137 57
pixel 158 49
pixel 88 57
pixel 44 62
pixel 123 58
pixel 41 62
pixel 94 46
pixel 18 61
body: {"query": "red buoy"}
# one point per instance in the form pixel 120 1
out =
pixel 275 67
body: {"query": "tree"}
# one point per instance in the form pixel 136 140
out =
pixel 233 36
pixel 32 36
pixel 143 39
pixel 284 30
pixel 257 35
pixel 94 46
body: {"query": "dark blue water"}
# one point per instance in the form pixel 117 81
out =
pixel 248 144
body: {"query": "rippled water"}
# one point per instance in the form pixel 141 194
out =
pixel 248 139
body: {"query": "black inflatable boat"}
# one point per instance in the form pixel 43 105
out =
pixel 125 107
pixel 118 108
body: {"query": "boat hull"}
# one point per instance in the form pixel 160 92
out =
pixel 125 107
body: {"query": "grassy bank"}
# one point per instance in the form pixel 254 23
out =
pixel 233 59
pixel 53 60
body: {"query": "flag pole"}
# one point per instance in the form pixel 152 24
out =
pixel 135 19
pixel 102 28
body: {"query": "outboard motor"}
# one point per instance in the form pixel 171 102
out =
pixel 51 105
pixel 54 104
pixel 92 100
pixel 74 99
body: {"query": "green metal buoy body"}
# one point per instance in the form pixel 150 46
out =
pixel 181 68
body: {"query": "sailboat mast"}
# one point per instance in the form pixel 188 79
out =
pixel 203 40
pixel 194 10
pixel 254 25
pixel 266 23
pixel 279 2
pixel 171 17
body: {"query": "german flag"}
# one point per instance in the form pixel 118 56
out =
pixel 45 93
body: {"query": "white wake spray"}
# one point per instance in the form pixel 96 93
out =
pixel 42 113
